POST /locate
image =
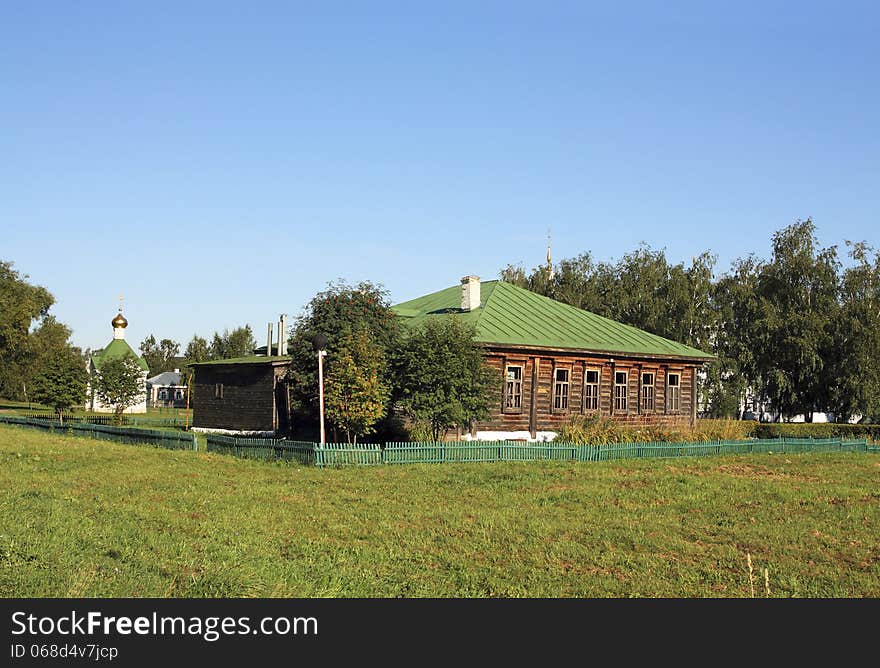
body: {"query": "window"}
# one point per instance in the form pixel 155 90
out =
pixel 560 390
pixel 163 394
pixel 647 392
pixel 513 389
pixel 591 390
pixel 218 391
pixel 673 392
pixel 178 394
pixel 620 389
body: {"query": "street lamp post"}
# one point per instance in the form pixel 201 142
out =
pixel 319 343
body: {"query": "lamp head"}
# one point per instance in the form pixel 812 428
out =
pixel 319 342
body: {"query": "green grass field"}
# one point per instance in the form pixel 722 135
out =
pixel 88 518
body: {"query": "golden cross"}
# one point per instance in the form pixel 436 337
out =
pixel 120 303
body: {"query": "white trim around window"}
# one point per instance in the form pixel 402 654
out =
pixel 621 391
pixel 513 384
pixel 647 391
pixel 592 385
pixel 673 391
pixel 561 389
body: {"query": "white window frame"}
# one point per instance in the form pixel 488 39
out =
pixel 507 385
pixel 621 403
pixel 673 392
pixel 648 392
pixel 596 387
pixel 564 396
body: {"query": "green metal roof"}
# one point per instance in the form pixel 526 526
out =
pixel 252 359
pixel 116 349
pixel 513 316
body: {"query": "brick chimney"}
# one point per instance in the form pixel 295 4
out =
pixel 470 293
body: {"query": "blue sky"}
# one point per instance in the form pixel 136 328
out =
pixel 218 163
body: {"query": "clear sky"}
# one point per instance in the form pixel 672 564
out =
pixel 218 163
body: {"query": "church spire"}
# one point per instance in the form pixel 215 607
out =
pixel 119 323
pixel 549 258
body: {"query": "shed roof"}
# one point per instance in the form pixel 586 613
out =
pixel 251 359
pixel 512 316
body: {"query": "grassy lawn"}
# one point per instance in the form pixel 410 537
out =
pixel 88 518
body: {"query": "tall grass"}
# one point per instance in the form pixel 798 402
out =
pixel 595 430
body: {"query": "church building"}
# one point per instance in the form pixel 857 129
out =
pixel 117 348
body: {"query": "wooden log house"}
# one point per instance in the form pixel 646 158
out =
pixel 554 361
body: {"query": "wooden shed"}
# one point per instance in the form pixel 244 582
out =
pixel 241 395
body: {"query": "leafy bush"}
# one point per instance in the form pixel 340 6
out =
pixel 816 430
pixel 442 376
pixel 420 432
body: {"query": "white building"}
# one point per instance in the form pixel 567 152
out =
pixel 117 348
pixel 167 390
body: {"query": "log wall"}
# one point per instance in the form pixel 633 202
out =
pixel 542 416
pixel 248 402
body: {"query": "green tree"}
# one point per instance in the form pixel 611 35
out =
pixel 33 354
pixel 338 313
pixel 21 303
pixel 736 339
pixel 856 348
pixel 159 356
pixel 444 381
pixel 197 350
pixel 356 390
pixel 574 281
pixel 798 291
pixel 119 383
pixel 239 342
pixel 62 382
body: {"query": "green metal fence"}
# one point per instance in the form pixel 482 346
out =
pixel 262 448
pixel 110 420
pixel 171 440
pixel 366 454
pixel 343 454
pixel 371 454
pixel 475 451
